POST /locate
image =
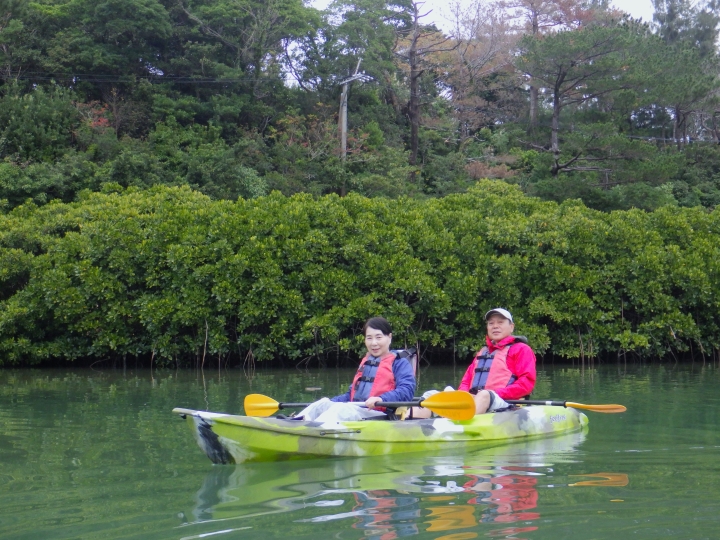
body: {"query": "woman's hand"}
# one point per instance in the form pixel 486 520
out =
pixel 372 402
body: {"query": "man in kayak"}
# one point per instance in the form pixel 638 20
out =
pixel 382 376
pixel 503 369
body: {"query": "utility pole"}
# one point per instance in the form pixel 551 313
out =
pixel 342 116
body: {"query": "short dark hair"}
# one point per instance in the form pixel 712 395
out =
pixel 378 323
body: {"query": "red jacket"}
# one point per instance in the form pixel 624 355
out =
pixel 520 361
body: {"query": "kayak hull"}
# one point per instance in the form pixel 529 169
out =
pixel 227 438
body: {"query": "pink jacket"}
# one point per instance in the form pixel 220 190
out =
pixel 520 361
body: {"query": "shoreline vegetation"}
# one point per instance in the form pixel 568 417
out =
pixel 171 275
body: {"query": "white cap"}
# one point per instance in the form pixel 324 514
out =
pixel 500 311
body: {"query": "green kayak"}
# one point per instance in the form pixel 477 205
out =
pixel 227 438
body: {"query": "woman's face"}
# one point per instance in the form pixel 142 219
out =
pixel 377 343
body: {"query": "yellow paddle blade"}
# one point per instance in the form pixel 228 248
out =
pixel 608 408
pixel 259 405
pixel 455 405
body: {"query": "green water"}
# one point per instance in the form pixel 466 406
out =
pixel 91 454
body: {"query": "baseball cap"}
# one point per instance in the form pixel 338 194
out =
pixel 500 311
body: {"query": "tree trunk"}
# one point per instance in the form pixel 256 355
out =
pixel 676 128
pixel 392 96
pixel 533 105
pixel 533 89
pixel 414 105
pixel 554 136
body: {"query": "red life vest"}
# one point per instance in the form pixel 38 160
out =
pixel 373 378
pixel 491 370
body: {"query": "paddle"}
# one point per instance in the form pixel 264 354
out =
pixel 610 408
pixel 454 405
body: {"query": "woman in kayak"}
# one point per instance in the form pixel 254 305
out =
pixel 503 369
pixel 382 376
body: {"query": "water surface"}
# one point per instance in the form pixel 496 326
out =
pixel 98 454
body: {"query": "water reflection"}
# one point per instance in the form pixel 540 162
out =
pixel 390 497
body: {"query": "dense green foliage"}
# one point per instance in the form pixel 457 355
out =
pixel 169 174
pixel 172 274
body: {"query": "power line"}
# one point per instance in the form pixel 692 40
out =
pixel 75 78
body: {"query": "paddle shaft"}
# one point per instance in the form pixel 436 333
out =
pixel 536 402
pixel 454 405
pixel 389 404
pixel 418 403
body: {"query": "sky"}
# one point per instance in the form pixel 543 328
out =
pixel 637 8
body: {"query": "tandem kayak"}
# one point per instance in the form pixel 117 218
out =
pixel 227 438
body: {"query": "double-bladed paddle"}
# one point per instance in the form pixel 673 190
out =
pixel 455 405
pixel 608 408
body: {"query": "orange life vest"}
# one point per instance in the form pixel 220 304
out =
pixel 374 377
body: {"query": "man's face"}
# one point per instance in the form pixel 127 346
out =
pixel 498 327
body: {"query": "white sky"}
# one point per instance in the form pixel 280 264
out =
pixel 637 8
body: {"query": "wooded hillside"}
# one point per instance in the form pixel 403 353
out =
pixel 565 98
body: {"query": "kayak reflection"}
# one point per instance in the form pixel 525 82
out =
pixel 389 497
